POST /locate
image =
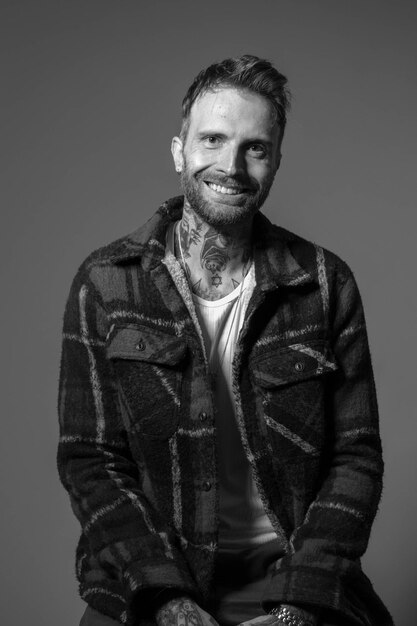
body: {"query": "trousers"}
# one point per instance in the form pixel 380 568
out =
pixel 240 579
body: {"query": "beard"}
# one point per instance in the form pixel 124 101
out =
pixel 216 213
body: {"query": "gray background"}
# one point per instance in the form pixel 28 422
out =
pixel 90 99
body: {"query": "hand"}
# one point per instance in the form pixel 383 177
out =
pixel 183 612
pixel 311 619
pixel 262 620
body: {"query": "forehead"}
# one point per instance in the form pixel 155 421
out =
pixel 233 110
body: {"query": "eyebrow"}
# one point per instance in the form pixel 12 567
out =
pixel 209 133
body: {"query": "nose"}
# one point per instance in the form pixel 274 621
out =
pixel 232 161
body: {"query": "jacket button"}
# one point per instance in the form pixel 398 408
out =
pixel 206 485
pixel 141 345
pixel 299 366
pixel 203 416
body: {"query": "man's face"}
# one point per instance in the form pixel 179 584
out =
pixel 230 155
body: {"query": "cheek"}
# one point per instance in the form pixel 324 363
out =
pixel 198 159
pixel 261 173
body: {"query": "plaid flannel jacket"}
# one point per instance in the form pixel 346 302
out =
pixel 137 450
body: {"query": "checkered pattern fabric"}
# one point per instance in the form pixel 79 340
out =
pixel 137 450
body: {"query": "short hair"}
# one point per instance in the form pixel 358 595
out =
pixel 244 72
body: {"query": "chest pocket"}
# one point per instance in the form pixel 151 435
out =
pixel 148 365
pixel 293 385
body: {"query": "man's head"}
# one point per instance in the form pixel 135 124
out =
pixel 228 151
pixel 245 72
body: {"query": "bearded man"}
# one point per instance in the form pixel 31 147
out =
pixel 219 427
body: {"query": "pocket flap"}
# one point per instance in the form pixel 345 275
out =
pixel 289 364
pixel 140 343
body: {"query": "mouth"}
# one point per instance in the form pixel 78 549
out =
pixel 226 190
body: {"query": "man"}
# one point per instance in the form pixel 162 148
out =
pixel 219 427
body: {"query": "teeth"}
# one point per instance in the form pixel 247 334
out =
pixel 227 190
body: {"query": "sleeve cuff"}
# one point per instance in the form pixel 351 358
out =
pixel 162 596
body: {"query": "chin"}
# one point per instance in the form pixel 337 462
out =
pixel 218 215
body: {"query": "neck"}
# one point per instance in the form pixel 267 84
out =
pixel 215 259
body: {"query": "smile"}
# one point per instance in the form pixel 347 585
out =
pixel 230 191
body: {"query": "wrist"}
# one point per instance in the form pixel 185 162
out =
pixel 178 611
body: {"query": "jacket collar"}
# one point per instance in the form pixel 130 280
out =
pixel 275 262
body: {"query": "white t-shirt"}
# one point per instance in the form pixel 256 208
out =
pixel 243 521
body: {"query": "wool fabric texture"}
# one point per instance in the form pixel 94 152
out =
pixel 137 449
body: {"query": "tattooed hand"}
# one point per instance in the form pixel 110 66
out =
pixel 183 612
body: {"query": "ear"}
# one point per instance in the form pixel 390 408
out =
pixel 177 155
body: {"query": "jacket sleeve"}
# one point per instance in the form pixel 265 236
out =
pixel 323 567
pixel 126 554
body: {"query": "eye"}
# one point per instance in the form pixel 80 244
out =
pixel 211 141
pixel 257 150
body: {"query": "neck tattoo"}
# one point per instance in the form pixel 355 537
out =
pixel 215 368
pixel 216 280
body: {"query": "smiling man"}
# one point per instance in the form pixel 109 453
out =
pixel 219 427
pixel 228 154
